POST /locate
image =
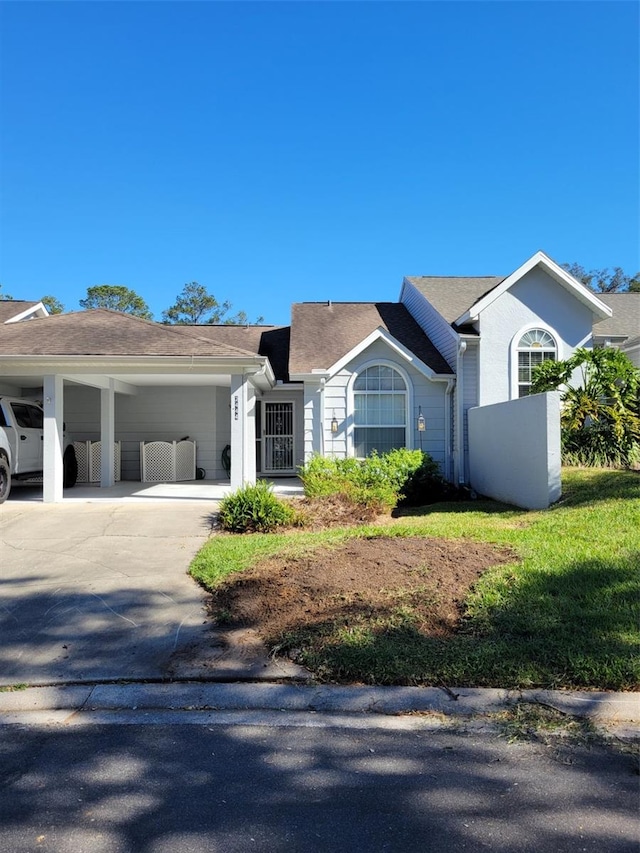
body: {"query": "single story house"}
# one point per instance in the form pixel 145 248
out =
pixel 344 378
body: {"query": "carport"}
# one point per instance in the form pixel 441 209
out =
pixel 122 357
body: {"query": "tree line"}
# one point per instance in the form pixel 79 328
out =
pixel 195 305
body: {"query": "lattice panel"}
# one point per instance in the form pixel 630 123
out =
pixel 95 461
pixel 82 455
pixel 185 460
pixel 89 456
pixel 168 461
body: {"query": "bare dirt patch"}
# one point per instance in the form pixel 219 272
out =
pixel 336 511
pixel 363 579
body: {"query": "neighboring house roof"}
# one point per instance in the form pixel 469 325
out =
pixel 322 333
pixel 14 308
pixel 452 295
pixel 625 321
pixel 102 332
pixel 269 341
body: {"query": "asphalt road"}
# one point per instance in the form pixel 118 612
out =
pixel 397 784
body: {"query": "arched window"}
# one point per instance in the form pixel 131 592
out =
pixel 534 347
pixel 380 410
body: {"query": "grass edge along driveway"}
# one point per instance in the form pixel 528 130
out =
pixel 566 615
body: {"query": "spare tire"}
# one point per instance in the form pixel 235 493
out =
pixel 69 468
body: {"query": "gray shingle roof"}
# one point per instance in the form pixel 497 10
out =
pixel 12 307
pixel 104 333
pixel 269 341
pixel 451 296
pixel 626 315
pixel 321 333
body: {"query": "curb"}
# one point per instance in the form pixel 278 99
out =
pixel 251 696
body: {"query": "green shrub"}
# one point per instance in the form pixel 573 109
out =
pixel 255 509
pixel 324 476
pixel 426 485
pixel 600 406
pixel 379 481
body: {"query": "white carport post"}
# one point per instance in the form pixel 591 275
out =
pixel 52 467
pixel 107 434
pixel 243 431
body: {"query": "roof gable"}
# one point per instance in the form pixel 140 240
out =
pixel 381 334
pixel 323 334
pixel 15 310
pixel 582 293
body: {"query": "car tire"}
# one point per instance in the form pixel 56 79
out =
pixel 70 468
pixel 5 479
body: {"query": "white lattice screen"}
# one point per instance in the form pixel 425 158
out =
pixel 167 461
pixel 82 455
pixel 89 456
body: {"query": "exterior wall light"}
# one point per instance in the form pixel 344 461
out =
pixel 422 424
pixel 334 424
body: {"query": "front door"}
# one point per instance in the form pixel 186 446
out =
pixel 277 438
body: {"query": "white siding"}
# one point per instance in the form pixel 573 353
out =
pixel 422 392
pixel 158 413
pixel 313 438
pixel 431 322
pixel 10 390
pixel 222 433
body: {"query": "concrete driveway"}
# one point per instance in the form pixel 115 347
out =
pixel 98 590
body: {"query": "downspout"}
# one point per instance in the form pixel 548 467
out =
pixel 459 431
pixel 448 412
pixel 322 384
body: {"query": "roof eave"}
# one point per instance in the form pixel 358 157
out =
pixel 598 308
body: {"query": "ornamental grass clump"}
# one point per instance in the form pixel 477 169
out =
pixel 255 509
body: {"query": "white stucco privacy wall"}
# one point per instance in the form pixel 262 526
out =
pixel 514 450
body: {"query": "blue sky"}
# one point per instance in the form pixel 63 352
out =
pixel 279 152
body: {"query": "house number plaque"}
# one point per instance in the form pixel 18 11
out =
pixel 236 408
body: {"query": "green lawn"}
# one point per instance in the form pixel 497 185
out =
pixel 566 615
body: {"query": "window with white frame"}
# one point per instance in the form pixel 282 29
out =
pixel 380 410
pixel 534 347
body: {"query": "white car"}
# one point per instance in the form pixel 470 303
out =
pixel 21 434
